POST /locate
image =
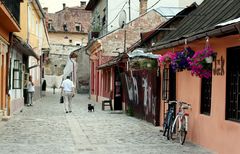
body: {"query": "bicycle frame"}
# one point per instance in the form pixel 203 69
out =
pixel 180 118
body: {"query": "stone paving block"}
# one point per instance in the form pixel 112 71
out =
pixel 46 129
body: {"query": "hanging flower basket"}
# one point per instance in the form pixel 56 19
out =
pixel 200 63
pixel 166 58
pixel 180 61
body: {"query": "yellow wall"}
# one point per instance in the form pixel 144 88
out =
pixel 23 20
pixel 59 38
pixel 34 26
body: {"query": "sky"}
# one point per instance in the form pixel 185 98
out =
pixel 56 5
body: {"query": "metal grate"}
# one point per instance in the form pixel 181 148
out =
pixel 206 93
pixel 165 84
pixel 233 85
pixel 14 8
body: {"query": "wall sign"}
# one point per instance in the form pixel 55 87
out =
pixel 218 66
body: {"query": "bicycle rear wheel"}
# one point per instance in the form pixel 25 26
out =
pixel 164 129
pixel 169 129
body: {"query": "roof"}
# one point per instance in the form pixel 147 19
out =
pixel 225 28
pixel 91 4
pixel 38 8
pixel 136 53
pixel 169 12
pixel 70 16
pixel 229 22
pixel 164 26
pixel 207 15
pixel 24 47
pixel 140 53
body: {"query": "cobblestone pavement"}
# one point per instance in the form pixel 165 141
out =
pixel 46 129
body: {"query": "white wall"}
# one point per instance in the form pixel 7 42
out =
pixel 15 93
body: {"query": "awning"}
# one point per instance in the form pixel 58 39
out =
pixel 136 53
pixel 24 48
pixel 140 53
pixel 110 63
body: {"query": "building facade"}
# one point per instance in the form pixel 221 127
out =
pixel 11 18
pixel 106 12
pixel 68 31
pixel 25 54
pixel 107 47
pixel 212 91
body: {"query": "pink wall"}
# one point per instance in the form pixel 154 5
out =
pixel 213 132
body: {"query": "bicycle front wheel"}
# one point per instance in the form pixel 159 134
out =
pixel 182 136
pixel 183 132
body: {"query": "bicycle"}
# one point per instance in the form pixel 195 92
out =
pixel 168 121
pixel 181 122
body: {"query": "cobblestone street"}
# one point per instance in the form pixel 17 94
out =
pixel 45 128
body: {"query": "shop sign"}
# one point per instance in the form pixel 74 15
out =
pixel 218 66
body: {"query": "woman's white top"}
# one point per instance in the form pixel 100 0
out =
pixel 30 87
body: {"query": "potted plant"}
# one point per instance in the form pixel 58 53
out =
pixel 200 63
pixel 180 60
pixel 166 58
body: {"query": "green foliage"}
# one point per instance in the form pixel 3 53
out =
pixel 130 111
pixel 144 64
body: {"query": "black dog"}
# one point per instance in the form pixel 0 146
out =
pixel 90 108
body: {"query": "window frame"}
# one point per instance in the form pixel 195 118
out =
pixel 17 75
pixel 232 113
pixel 165 84
pixel 206 96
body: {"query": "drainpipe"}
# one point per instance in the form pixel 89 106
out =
pixel 28 22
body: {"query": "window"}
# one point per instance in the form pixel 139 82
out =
pixel 17 75
pixel 107 81
pixel 233 84
pixel 77 43
pixel 103 21
pixel 70 41
pixel 65 27
pixel 78 27
pixel 206 93
pixel 165 84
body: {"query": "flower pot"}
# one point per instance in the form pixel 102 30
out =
pixel 209 59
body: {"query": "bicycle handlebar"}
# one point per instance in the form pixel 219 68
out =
pixel 183 104
pixel 172 102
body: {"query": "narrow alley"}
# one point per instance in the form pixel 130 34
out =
pixel 45 128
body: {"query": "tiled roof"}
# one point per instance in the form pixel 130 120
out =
pixel 207 15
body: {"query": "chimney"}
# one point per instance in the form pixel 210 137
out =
pixel 83 4
pixel 143 6
pixel 64 6
pixel 45 9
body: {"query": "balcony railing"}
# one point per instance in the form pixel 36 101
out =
pixel 14 8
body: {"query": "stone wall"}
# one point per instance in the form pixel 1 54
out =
pixel 83 71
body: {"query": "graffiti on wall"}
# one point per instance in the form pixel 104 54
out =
pixel 218 66
pixel 132 88
pixel 141 93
